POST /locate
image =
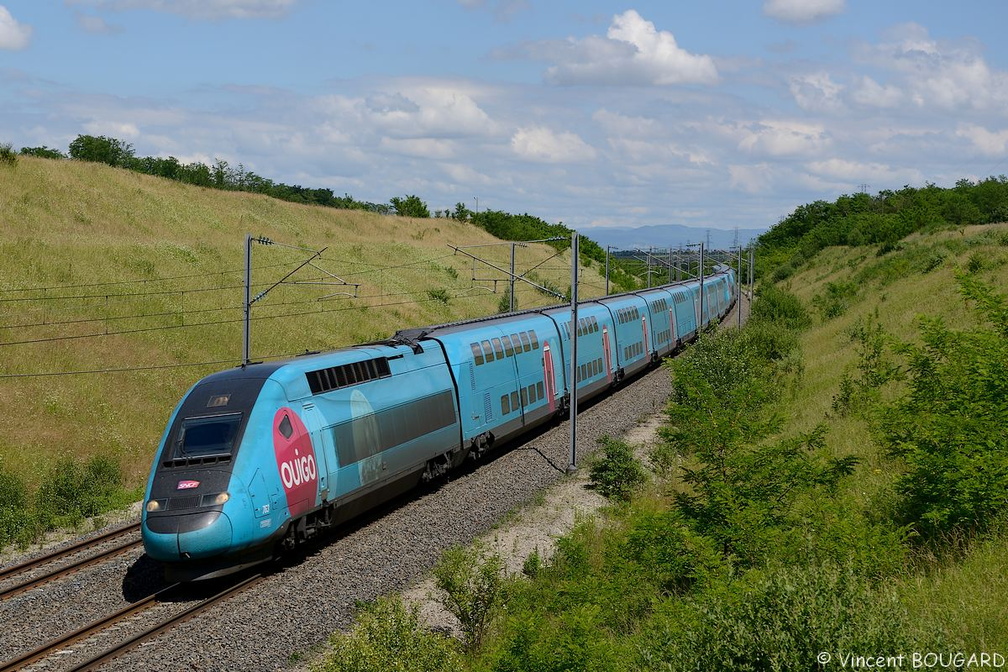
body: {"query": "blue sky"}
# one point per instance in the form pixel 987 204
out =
pixel 711 114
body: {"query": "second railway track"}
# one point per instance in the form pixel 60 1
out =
pixel 28 574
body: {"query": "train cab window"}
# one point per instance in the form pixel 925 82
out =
pixel 488 351
pixel 477 353
pixel 213 435
pixel 498 348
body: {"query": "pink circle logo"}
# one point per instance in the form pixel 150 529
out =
pixel 295 460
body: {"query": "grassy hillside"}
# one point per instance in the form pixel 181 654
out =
pixel 109 269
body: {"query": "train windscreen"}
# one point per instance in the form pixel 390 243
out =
pixel 213 435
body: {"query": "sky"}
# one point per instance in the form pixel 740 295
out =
pixel 715 114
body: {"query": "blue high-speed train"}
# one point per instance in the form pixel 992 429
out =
pixel 258 458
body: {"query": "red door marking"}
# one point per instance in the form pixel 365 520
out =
pixel 295 459
pixel 548 376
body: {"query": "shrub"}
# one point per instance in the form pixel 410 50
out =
pixel 472 583
pixel 616 473
pixel 15 517
pixel 388 636
pixel 781 307
pixel 780 621
pixel 440 295
pixel 835 300
pixel 7 154
pixel 949 427
pixel 71 491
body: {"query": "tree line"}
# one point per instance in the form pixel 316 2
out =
pixel 223 175
pixel 884 218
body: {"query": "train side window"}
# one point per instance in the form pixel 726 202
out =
pixel 517 343
pixel 508 348
pixel 514 400
pixel 535 340
pixel 477 353
pixel 540 390
pixel 505 405
pixel 524 396
pixel 498 348
pixel 526 343
pixel 488 351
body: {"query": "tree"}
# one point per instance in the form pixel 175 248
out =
pixel 43 152
pixel 101 149
pixel 410 206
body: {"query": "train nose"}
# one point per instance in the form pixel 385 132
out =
pixel 187 536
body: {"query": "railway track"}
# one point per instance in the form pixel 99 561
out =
pixel 119 537
pixel 94 661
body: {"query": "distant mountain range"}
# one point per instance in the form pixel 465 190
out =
pixel 667 235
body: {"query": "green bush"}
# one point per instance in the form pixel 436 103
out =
pixel 949 427
pixel 574 640
pixel 7 154
pixel 15 515
pixel 835 300
pixel 472 583
pixel 72 491
pixel 781 620
pixel 616 474
pixel 388 637
pixel 780 307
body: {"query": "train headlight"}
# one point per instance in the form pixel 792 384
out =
pixel 155 505
pixel 215 500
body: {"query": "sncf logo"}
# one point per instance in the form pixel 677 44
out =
pixel 187 485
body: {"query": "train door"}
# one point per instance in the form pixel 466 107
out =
pixel 549 375
pixel 325 450
pixel 607 352
pixel 646 343
pixel 673 334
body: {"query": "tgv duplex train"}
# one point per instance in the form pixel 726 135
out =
pixel 258 458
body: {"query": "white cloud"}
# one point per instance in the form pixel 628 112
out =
pixel 802 11
pixel 783 139
pixel 113 129
pixel 633 52
pixel 751 179
pixel 872 94
pixel 429 110
pixel 988 143
pixel 14 36
pixel 425 148
pixel 817 93
pixel 201 9
pixel 935 74
pixel 860 172
pixel 96 24
pixel 538 143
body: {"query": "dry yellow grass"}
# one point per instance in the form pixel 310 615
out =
pixel 90 250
